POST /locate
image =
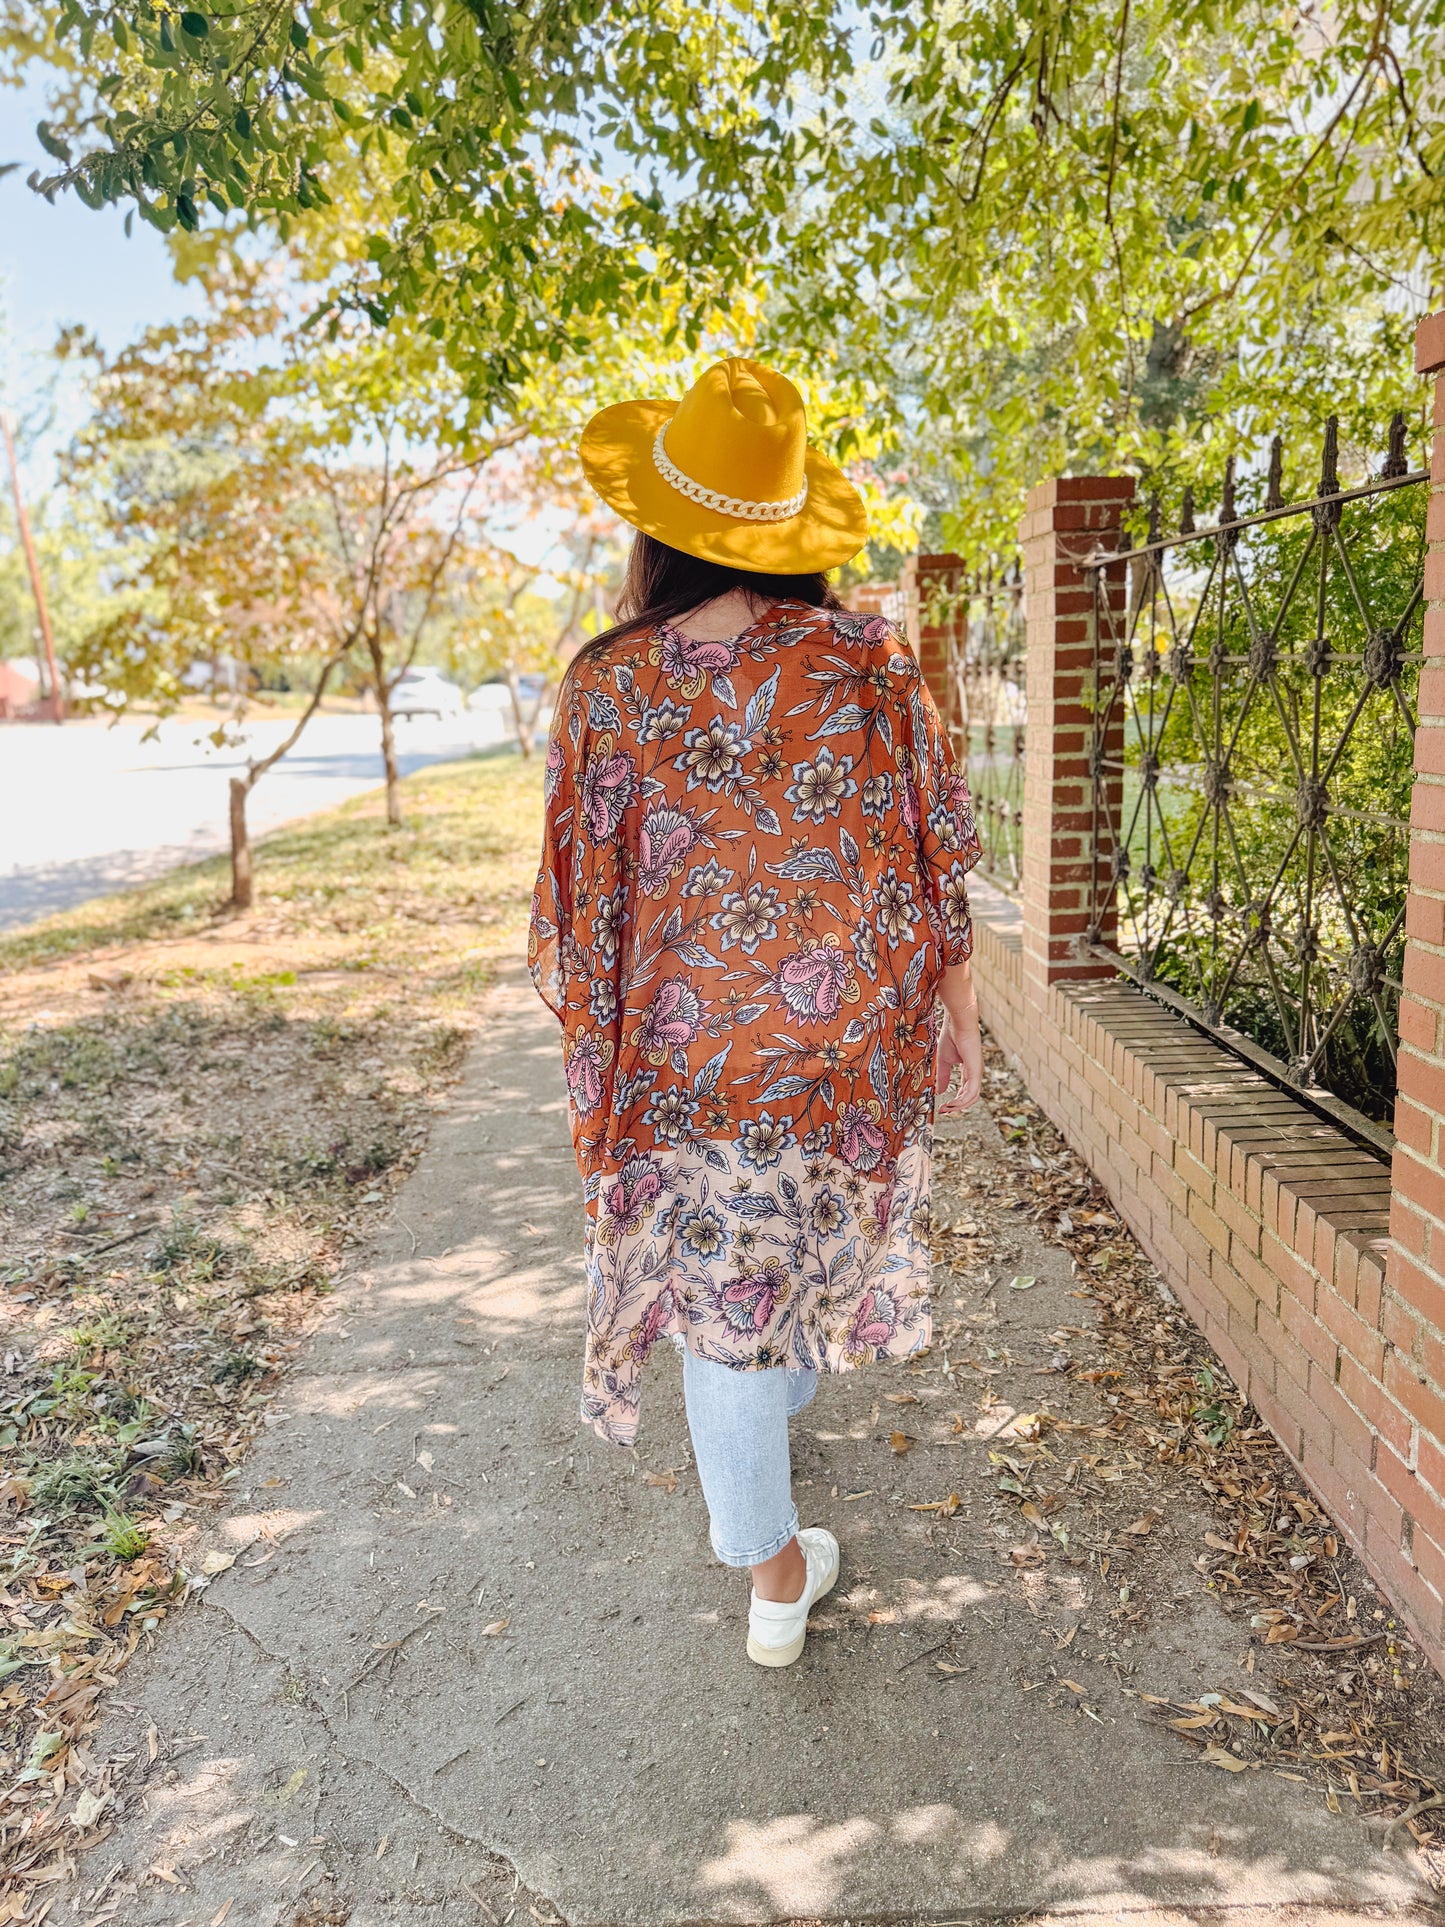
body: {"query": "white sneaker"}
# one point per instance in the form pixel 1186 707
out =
pixel 778 1627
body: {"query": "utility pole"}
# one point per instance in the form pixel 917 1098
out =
pixel 57 701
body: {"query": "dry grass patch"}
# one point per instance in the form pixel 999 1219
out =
pixel 199 1115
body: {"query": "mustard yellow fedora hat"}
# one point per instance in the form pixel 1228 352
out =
pixel 726 474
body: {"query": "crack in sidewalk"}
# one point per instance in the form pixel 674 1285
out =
pixel 341 1754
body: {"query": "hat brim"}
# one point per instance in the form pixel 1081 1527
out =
pixel 616 452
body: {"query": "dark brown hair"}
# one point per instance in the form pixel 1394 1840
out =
pixel 662 584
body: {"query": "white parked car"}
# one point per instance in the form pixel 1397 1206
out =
pixel 425 691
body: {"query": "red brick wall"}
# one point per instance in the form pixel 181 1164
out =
pixel 876 599
pixel 1408 1407
pixel 1064 521
pixel 1316 1270
pixel 1265 1220
pixel 923 577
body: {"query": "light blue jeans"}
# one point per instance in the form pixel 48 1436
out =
pixel 739 1426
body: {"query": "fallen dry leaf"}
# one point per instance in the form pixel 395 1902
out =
pixel 497 1626
pixel 217 1561
pixel 88 1808
pixel 945 1508
pixel 901 1442
pixel 665 1481
pixel 1262 1700
pixel 1216 1755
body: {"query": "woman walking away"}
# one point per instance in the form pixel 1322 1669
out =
pixel 752 899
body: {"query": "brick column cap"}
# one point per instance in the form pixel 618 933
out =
pixel 1430 345
pixel 1079 488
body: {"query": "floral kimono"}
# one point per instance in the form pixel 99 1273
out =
pixel 753 874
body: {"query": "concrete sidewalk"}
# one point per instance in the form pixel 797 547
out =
pixel 470 1662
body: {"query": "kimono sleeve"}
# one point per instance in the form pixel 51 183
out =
pixel 948 845
pixel 550 941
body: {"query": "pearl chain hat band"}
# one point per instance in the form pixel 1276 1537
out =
pixel 709 498
pixel 726 474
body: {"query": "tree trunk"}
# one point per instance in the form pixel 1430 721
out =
pixel 388 732
pixel 538 707
pixel 242 882
pixel 388 757
pixel 522 725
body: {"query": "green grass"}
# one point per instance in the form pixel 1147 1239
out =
pixel 471 838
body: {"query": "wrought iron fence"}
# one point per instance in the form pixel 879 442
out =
pixel 980 617
pixel 1254 705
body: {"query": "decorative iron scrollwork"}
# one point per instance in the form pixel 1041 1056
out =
pixel 981 615
pixel 1383 658
pixel 1366 970
pixel 1317 656
pixel 1312 803
pixel 1178 660
pixel 1263 655
pixel 1218 783
pixel 1251 761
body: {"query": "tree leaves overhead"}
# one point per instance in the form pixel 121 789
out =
pixel 1134 233
pixel 1050 233
pixel 531 165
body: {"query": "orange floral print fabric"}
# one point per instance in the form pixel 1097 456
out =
pixel 754 871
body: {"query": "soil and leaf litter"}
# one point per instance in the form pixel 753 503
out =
pixel 1133 1436
pixel 202 1117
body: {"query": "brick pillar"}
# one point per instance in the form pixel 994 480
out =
pixel 1064 521
pixel 922 579
pixel 1406 1545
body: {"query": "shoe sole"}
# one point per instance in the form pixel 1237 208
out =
pixel 785 1655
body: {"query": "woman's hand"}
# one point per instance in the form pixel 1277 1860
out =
pixel 959 1045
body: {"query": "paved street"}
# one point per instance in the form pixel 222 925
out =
pixel 88 808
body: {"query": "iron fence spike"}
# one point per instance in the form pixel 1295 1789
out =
pixel 1396 461
pixel 1274 489
pixel 1330 458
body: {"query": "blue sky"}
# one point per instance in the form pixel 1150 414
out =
pixel 73 264
pixel 67 263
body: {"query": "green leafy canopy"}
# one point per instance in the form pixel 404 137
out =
pixel 1047 233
